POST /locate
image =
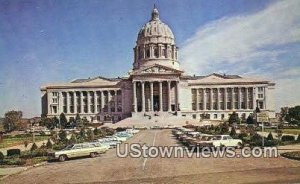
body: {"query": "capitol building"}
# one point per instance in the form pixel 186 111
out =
pixel 157 86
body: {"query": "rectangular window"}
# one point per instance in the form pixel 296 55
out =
pixel 215 116
pixel 54 93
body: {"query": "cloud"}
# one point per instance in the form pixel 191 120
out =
pixel 264 43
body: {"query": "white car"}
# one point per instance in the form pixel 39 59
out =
pixel 226 140
pixel 132 131
pixel 78 150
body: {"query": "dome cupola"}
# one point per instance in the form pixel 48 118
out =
pixel 155 44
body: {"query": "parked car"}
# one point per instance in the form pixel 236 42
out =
pixel 109 142
pixel 78 150
pixel 217 141
pixel 132 131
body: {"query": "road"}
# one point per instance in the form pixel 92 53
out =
pixel 108 168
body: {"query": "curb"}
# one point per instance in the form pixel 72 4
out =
pixel 25 169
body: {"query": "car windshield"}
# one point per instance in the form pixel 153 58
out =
pixel 68 147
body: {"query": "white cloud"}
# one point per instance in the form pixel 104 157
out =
pixel 250 44
pixel 242 38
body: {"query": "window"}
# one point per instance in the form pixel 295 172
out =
pixel 54 93
pixel 194 116
pixel 54 100
pixel 260 96
pixel 222 116
pixel 260 89
pixel 148 53
pixel 156 52
pixel 215 116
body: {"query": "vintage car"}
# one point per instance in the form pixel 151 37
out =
pixel 111 142
pixel 217 141
pixel 78 150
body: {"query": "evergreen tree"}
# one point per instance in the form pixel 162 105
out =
pixel 55 121
pixel 63 120
pixel 33 147
pixel 234 118
pixel 78 121
pixel 62 136
pixel 250 120
pixel 270 137
pixel 90 135
pixel 233 132
pixel 73 139
pixel 49 144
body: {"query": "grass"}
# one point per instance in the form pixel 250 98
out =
pixel 14 141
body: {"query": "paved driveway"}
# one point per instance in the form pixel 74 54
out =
pixel 110 169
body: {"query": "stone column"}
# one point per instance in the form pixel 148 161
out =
pixel 81 102
pixel 95 102
pixel 197 100
pixel 143 96
pixel 239 98
pixel 225 98
pixel 151 96
pixel 211 98
pixel 232 99
pixel 75 102
pixel 246 98
pixel 102 101
pixel 169 96
pixel 88 102
pixel 68 102
pixel 160 97
pixel 253 98
pixel 116 101
pixel 177 96
pixel 60 102
pixel 204 98
pixel 218 99
pixel 134 97
pixel 108 100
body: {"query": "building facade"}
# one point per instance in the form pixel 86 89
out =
pixel 157 85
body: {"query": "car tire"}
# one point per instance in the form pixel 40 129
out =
pixel 62 158
pixel 93 155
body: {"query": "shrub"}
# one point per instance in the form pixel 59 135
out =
pixel 33 147
pixel 1 156
pixel 13 161
pixel 12 152
pixel 270 137
pixel 287 138
pixel 119 129
pixel 59 146
pixel 233 132
pixel 49 144
pixel 298 138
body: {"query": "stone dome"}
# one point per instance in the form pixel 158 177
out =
pixel 155 28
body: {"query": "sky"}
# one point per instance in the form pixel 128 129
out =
pixel 47 41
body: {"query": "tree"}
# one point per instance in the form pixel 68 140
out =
pixel 250 120
pixel 233 118
pixel 62 136
pixel 26 144
pixel 270 137
pixel 33 147
pixel 73 139
pixel 90 135
pixel 233 132
pixel 294 115
pixel 63 120
pixel 55 121
pixel 11 119
pixel 71 122
pixel 257 110
pixel 96 131
pixel 47 122
pixel 78 121
pixel 49 144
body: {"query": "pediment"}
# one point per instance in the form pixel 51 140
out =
pixel 159 69
pixel 214 77
pixel 99 80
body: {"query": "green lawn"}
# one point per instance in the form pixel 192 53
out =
pixel 285 131
pixel 14 141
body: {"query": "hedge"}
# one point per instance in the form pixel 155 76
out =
pixel 12 152
pixel 287 138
